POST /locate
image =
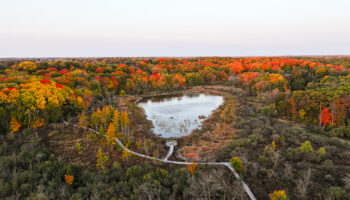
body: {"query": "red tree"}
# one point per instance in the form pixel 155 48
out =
pixel 326 116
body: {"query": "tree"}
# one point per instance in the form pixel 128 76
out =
pixel 83 121
pixel 178 79
pixel 321 151
pixel 115 120
pixel 293 109
pixel 38 123
pixel 126 153
pixel 101 159
pixel 325 116
pixel 192 167
pixel 95 118
pixel 306 147
pixel 39 101
pixel 273 145
pixel 69 179
pixel 303 184
pixel 27 65
pixel 236 163
pixel 111 134
pixel 124 120
pixel 14 125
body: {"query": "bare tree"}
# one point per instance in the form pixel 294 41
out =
pixel 271 95
pixel 303 184
pixel 231 187
pixel 288 170
pixel 204 186
pixel 215 184
pixel 151 190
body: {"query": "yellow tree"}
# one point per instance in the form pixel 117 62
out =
pixel 126 120
pixel 126 153
pixel 115 120
pixel 101 159
pixel 83 122
pixel 125 123
pixel 273 145
pixel 95 118
pixel 111 134
pixel 32 99
pixel 14 125
pixel 122 121
pixel 42 95
pixel 27 65
pixel 104 118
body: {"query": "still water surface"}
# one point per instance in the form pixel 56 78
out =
pixel 177 116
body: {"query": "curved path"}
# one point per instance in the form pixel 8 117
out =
pixel 165 160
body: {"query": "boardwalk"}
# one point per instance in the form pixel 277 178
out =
pixel 165 160
pixel 171 145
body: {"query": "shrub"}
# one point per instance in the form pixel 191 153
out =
pixel 262 159
pixel 337 193
pixel 116 165
pixel 306 147
pixel 122 93
pixel 328 163
pixel 293 154
pixel 77 146
pixel 269 110
pixel 236 163
pixel 341 132
pixel 321 152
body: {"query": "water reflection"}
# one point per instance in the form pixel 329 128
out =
pixel 177 116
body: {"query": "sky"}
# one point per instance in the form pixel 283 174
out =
pixel 124 28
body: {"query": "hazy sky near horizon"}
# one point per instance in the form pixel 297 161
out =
pixel 83 28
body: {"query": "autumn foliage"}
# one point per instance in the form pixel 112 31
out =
pixel 192 167
pixel 101 159
pixel 33 99
pixel 278 195
pixel 14 125
pixel 69 179
pixel 300 86
pixel 325 116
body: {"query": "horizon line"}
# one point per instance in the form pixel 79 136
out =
pixel 305 55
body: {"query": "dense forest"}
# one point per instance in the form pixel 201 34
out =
pixel 286 122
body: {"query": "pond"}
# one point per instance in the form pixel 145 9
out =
pixel 177 116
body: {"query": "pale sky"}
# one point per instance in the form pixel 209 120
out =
pixel 83 28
